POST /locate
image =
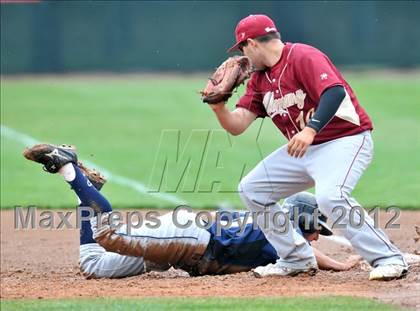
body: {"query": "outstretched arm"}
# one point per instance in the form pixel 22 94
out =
pixel 327 263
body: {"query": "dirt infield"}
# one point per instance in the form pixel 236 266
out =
pixel 44 264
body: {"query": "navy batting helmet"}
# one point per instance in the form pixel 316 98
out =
pixel 305 203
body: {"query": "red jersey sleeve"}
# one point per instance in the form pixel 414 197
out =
pixel 252 100
pixel 315 72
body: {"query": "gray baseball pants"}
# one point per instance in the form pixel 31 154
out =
pixel 334 168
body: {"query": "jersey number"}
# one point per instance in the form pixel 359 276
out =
pixel 301 120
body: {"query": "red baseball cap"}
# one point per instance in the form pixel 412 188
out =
pixel 251 27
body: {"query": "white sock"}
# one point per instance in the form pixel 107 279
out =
pixel 68 172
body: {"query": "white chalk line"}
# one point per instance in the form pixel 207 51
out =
pixel 27 141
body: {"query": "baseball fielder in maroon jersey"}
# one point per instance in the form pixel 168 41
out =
pixel 329 147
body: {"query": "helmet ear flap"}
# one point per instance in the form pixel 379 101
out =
pixel 304 212
pixel 306 222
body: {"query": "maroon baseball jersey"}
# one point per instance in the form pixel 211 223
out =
pixel 290 91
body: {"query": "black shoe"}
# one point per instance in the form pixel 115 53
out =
pixel 93 175
pixel 53 157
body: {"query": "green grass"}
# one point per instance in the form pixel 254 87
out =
pixel 289 304
pixel 131 127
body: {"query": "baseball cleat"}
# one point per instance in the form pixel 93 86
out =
pixel 53 157
pixel 388 272
pixel 93 175
pixel 279 269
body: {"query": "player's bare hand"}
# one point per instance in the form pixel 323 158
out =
pixel 299 143
pixel 352 261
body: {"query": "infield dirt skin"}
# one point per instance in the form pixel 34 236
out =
pixel 43 263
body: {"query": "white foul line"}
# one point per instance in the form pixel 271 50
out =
pixel 27 140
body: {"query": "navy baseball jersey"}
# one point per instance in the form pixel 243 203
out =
pixel 232 251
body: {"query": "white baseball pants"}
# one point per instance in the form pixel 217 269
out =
pixel 334 168
pixel 119 254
